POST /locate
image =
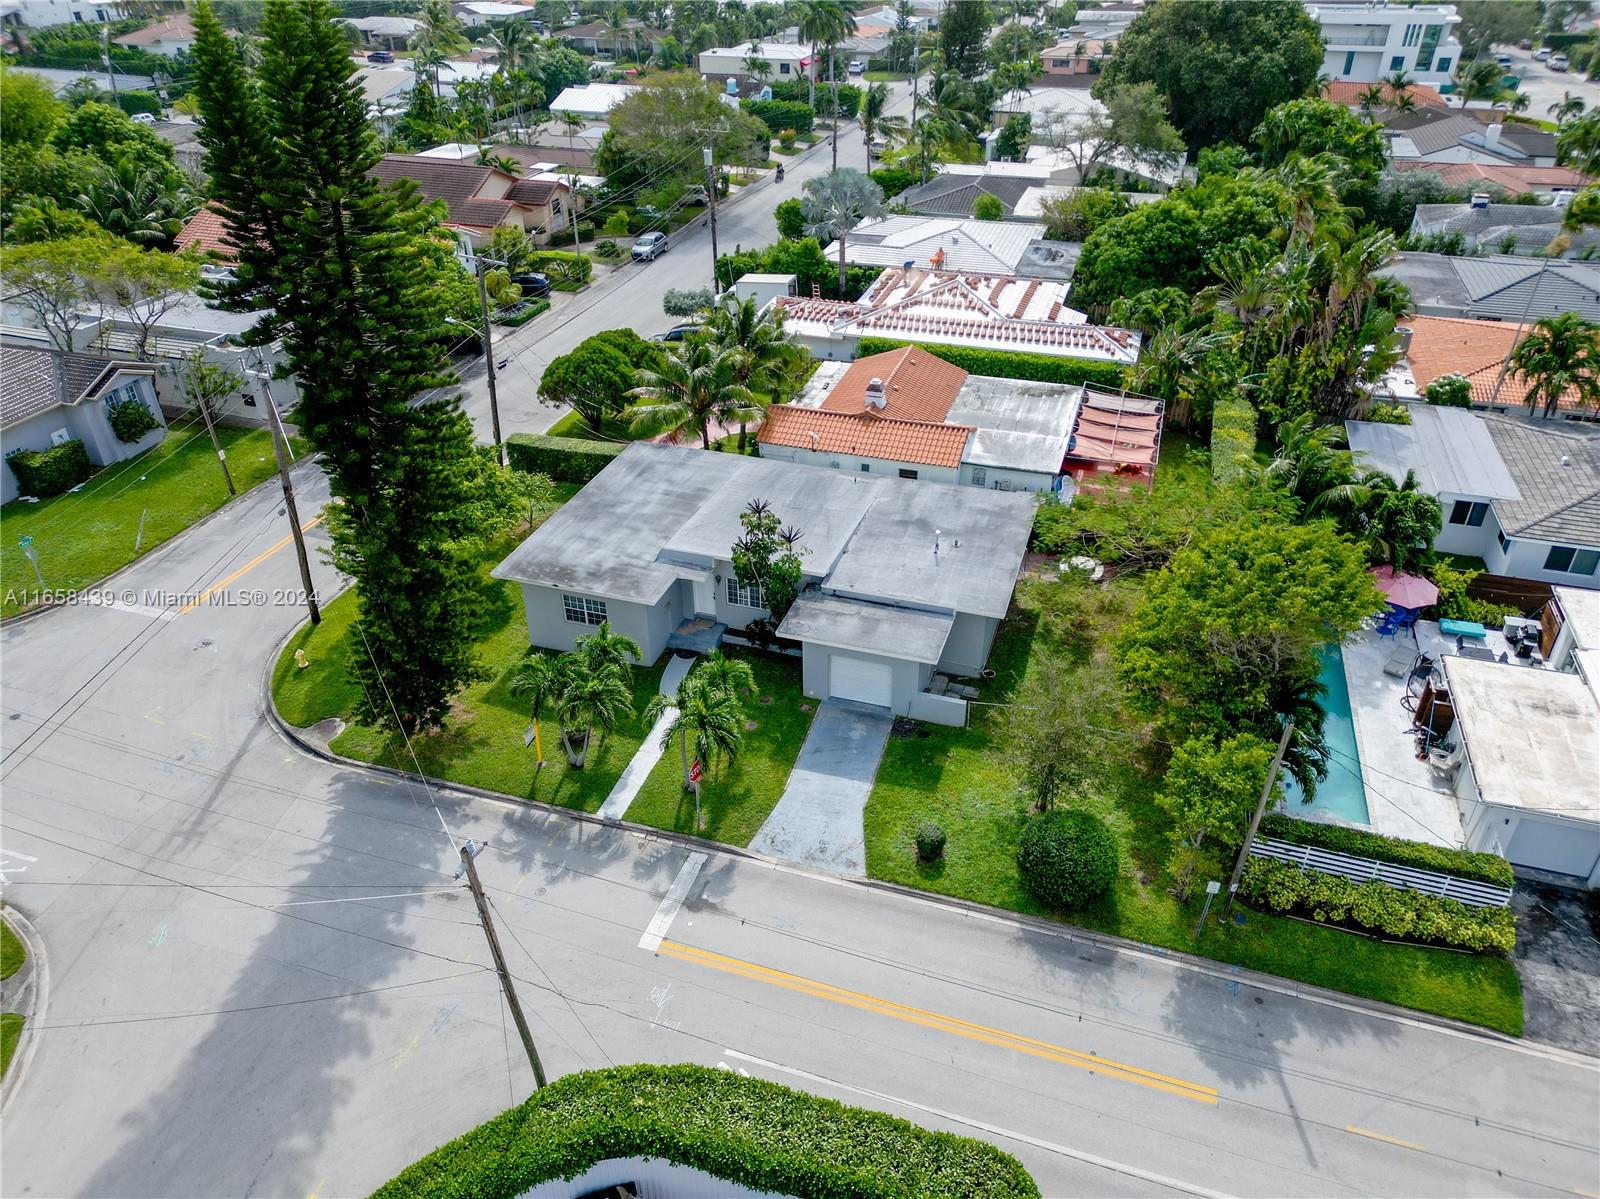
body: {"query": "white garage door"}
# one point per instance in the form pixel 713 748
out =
pixel 863 681
pixel 1563 848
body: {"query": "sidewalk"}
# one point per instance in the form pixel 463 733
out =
pixel 650 749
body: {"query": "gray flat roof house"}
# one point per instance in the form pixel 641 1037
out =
pixel 903 580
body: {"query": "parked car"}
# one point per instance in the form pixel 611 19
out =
pixel 649 247
pixel 144 118
pixel 1543 55
pixel 532 283
pixel 380 56
pixel 1525 44
pixel 857 67
pixel 1504 60
pixel 678 332
pixel 1558 62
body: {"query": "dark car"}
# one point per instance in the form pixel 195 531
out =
pixel 380 56
pixel 677 332
pixel 532 283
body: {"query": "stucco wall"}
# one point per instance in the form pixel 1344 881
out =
pixel 909 677
pixel 549 628
pixel 1524 559
pixel 877 467
pixel 966 650
pixel 87 423
pixel 1015 480
pixel 1464 539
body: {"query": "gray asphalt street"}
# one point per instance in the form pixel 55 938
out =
pixel 265 983
pixel 631 295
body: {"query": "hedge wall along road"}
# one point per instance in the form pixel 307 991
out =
pixel 745 1130
pixel 1463 863
pixel 1010 364
pixel 564 459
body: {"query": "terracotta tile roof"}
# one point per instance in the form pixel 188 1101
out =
pixel 175 28
pixel 1441 345
pixel 864 435
pixel 206 230
pixel 1348 93
pixel 917 386
pixel 1513 179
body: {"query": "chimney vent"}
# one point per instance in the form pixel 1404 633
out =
pixel 1480 199
pixel 875 397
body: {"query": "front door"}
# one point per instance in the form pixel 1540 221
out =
pixel 705 596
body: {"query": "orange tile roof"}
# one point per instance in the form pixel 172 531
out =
pixel 864 435
pixel 1348 93
pixel 1442 345
pixel 917 386
pixel 1513 179
pixel 205 231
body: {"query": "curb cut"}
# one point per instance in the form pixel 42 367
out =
pixel 1221 971
pixel 39 986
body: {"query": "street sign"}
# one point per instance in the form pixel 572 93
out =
pixel 694 771
pixel 527 738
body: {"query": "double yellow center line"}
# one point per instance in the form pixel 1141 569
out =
pixel 218 587
pixel 942 1023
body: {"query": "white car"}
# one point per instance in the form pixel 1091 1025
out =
pixel 858 67
pixel 1558 62
pixel 1543 55
pixel 144 118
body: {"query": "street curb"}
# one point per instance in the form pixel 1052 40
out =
pixel 166 546
pixel 1220 971
pixel 39 985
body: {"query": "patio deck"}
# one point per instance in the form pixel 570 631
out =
pixel 1405 798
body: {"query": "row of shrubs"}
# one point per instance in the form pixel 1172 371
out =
pixel 779 115
pixel 563 266
pixel 1376 908
pixel 850 95
pixel 44 473
pixel 564 459
pixel 764 1136
pixel 1462 863
pixel 1233 438
pixel 521 314
pixel 1011 364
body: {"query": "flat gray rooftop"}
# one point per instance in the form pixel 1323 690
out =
pixel 1450 450
pixel 654 500
pixel 876 628
pixel 1533 736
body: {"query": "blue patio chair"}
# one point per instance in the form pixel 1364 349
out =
pixel 1388 626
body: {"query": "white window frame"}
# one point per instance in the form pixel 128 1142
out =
pixel 980 476
pixel 741 596
pixel 581 609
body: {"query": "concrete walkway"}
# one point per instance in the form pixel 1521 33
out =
pixel 649 751
pixel 819 819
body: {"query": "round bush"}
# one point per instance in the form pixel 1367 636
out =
pixel 607 249
pixel 1451 391
pixel 1067 859
pixel 930 842
pixel 129 419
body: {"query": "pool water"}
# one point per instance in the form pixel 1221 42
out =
pixel 1341 794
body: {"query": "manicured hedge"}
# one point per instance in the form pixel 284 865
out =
pixel 1463 863
pixel 1376 908
pixel 1233 439
pixel 849 93
pixel 1010 364
pixel 564 459
pixel 130 419
pixel 746 1130
pixel 561 265
pixel 779 115
pixel 44 473
pixel 527 311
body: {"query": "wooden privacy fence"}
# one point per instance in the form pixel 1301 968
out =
pixel 1407 878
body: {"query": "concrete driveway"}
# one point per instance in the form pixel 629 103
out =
pixel 1558 958
pixel 818 822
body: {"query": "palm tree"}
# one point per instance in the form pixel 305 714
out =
pixel 1560 353
pixel 696 386
pixel 616 21
pixel 1372 97
pixel 1481 79
pixel 757 67
pixel 1169 359
pixel 1578 144
pixel 819 24
pixel 763 349
pixel 138 203
pixel 716 670
pixel 510 43
pixel 539 681
pixel 707 714
pixel 1516 101
pixel 1308 466
pixel 875 121
pixel 603 649
pixel 836 203
pixel 589 699
pixel 1566 108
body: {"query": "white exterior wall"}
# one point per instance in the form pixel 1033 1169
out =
pixel 1363 43
pixel 1523 558
pixel 909 677
pixel 829 349
pixel 85 422
pixel 649 625
pixel 1465 539
pixel 878 467
pixel 1013 480
pixel 967 648
pixel 41 14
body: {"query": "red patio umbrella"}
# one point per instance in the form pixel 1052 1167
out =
pixel 1403 590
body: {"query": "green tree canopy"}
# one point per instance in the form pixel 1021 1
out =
pixel 1221 65
pixel 1311 126
pixel 593 380
pixel 1210 791
pixel 29 110
pixel 662 124
pixel 962 30
pixel 1489 23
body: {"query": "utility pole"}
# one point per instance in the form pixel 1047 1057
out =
pixel 1261 808
pixel 479 262
pixel 711 191
pixel 467 855
pixel 280 447
pixel 205 414
pixel 105 56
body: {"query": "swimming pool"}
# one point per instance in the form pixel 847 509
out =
pixel 1341 794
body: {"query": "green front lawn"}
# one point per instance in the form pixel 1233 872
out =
pixel 12 951
pixel 83 536
pixel 612 428
pixel 887 76
pixel 482 744
pixel 737 798
pixel 10 1029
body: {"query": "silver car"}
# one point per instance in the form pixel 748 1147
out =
pixel 649 247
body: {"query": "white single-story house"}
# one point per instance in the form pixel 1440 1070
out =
pixel 48 398
pixel 959 244
pixel 788 61
pixel 1520 494
pixel 1529 783
pixel 387 33
pixel 992 312
pixel 592 101
pixel 905 414
pixel 170 36
pixel 1570 630
pixel 901 582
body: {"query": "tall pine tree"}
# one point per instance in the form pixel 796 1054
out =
pixel 355 277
